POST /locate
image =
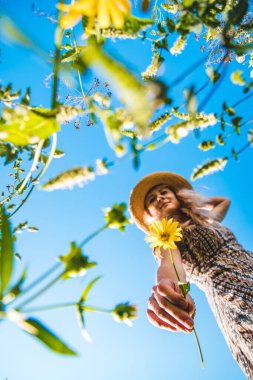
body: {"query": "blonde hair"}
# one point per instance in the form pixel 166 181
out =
pixel 193 208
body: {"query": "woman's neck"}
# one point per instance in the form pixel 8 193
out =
pixel 183 219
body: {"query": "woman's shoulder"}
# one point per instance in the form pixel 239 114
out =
pixel 190 225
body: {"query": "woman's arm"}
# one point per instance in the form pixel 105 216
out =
pixel 165 267
pixel 167 308
pixel 220 207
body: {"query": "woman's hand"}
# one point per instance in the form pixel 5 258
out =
pixel 168 309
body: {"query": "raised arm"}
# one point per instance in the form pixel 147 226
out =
pixel 220 206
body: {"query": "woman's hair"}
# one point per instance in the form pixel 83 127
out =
pixel 192 207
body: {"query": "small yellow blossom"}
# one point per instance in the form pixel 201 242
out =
pixel 163 234
pixel 106 11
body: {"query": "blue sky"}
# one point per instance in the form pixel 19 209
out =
pixel 142 352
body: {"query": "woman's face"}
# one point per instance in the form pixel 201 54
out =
pixel 161 202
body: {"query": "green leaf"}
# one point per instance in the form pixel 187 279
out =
pixel 131 29
pixel 115 217
pixel 126 86
pixel 81 320
pixel 88 288
pixel 24 127
pixel 191 100
pixel 17 288
pixel 222 122
pixel 187 23
pixel 237 13
pixel 9 152
pixel 49 338
pixel 6 252
pixel 230 111
pixel 236 122
pixel 69 56
pixel 220 139
pixel 170 25
pixel 27 97
pixel 6 94
pixel 134 24
pixel 136 155
pixel 185 287
pixel 213 74
pixel 248 87
pixel 76 264
pixel 235 154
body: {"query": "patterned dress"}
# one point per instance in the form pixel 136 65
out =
pixel 223 269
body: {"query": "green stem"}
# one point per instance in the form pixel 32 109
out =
pixel 242 100
pixel 99 310
pixel 187 72
pixel 21 204
pixel 50 157
pixel 63 305
pixel 58 39
pixel 78 71
pixel 241 150
pixel 36 295
pixel 199 348
pixel 184 294
pixel 33 167
pixel 37 281
pixel 91 236
pixel 54 142
pixel 49 307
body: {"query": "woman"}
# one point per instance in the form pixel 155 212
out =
pixel 209 255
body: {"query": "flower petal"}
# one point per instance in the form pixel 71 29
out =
pixel 104 19
pixel 116 15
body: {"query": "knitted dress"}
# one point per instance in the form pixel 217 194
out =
pixel 223 269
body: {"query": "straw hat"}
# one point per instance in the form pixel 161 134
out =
pixel 137 197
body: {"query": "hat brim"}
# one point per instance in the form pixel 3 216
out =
pixel 138 194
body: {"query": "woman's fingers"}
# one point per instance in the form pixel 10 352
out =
pixel 180 317
pixel 170 317
pixel 191 306
pixel 172 292
pixel 152 317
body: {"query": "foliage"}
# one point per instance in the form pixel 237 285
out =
pixel 130 107
pixel 72 264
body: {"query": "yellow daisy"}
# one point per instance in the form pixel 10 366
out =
pixel 106 11
pixel 163 234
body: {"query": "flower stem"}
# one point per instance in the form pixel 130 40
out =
pixel 54 142
pixel 91 236
pixel 92 308
pixel 49 307
pixel 63 305
pixel 21 204
pixel 184 294
pixel 34 164
pixel 37 281
pixel 44 289
pixel 199 348
pixel 50 157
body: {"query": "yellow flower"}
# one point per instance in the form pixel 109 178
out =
pixel 163 234
pixel 106 11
